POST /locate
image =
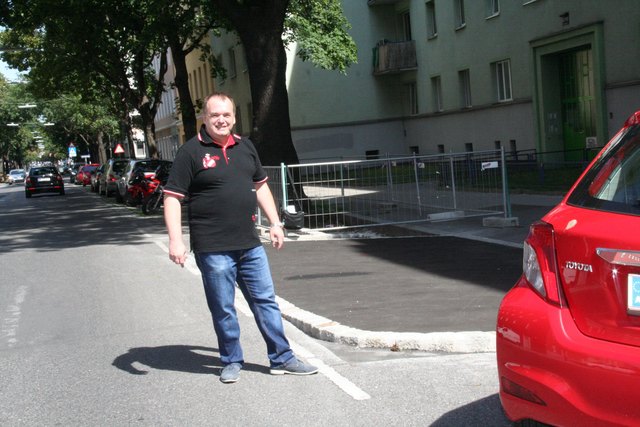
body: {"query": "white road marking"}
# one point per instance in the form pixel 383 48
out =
pixel 343 383
pixel 11 321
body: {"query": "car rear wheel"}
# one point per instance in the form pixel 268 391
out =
pixel 28 195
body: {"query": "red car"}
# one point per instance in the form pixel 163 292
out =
pixel 568 333
pixel 84 174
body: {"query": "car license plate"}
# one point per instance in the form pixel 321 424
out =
pixel 633 294
pixel 44 179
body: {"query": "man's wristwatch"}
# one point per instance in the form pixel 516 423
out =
pixel 277 224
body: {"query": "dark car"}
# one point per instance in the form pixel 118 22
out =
pixel 43 179
pixel 145 166
pixel 107 181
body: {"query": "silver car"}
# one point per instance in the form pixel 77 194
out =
pixel 107 181
pixel 16 175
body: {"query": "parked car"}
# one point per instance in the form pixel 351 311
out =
pixel 73 170
pixel 43 179
pixel 107 182
pixel 146 166
pixel 16 175
pixel 568 333
pixel 95 177
pixel 83 177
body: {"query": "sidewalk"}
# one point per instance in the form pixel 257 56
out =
pixel 434 287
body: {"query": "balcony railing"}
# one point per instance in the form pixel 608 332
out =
pixel 394 57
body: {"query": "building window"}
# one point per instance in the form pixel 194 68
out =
pixel 239 127
pixel 372 154
pixel 406 26
pixel 232 63
pixel 465 88
pixel 497 144
pixel 436 88
pixel 432 29
pixel 493 8
pixel 513 148
pixel 221 76
pixel 502 73
pixel 412 95
pixel 207 78
pixel 191 78
pixel 414 149
pixel 200 84
pixel 459 13
pixel 440 148
pixel 468 147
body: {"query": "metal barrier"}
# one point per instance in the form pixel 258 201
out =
pixel 394 190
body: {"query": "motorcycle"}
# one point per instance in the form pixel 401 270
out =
pixel 138 188
pixel 154 197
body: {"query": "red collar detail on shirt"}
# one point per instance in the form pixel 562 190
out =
pixel 231 140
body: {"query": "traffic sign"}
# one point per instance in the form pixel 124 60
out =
pixel 118 149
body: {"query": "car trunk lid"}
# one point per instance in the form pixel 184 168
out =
pixel 598 256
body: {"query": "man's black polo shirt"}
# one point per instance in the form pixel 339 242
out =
pixel 220 183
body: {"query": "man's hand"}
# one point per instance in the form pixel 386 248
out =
pixel 178 252
pixel 276 234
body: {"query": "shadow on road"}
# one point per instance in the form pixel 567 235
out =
pixel 180 358
pixel 483 412
pixel 80 218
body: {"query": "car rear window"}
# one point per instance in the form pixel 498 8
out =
pixel 43 171
pixel 119 166
pixel 147 166
pixel 613 182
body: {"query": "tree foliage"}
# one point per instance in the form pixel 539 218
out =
pixel 321 31
pixel 107 48
pixel 264 28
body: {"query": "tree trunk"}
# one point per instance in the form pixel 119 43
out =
pixel 102 151
pixel 181 80
pixel 149 130
pixel 259 26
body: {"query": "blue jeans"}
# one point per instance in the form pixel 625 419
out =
pixel 249 268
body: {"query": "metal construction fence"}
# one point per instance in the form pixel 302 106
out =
pixel 394 190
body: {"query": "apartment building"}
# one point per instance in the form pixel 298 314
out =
pixel 168 123
pixel 434 76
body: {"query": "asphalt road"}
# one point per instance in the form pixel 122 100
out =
pixel 98 327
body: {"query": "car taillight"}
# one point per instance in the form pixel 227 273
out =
pixel 539 261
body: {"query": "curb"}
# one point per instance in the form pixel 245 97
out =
pixel 328 330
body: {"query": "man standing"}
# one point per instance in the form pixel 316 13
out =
pixel 222 175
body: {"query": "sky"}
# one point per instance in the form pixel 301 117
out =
pixel 9 74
